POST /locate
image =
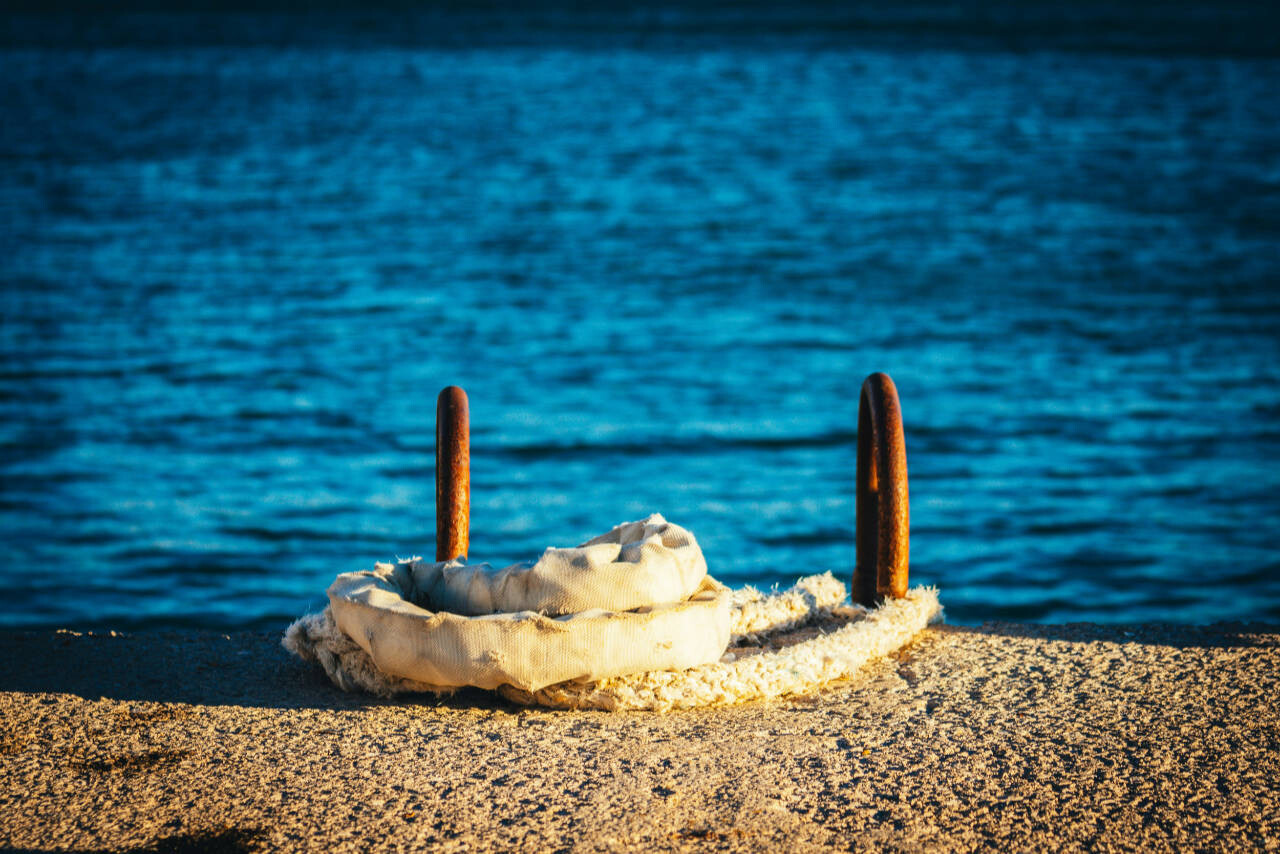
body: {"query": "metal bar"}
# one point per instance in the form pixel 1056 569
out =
pixel 453 474
pixel 883 513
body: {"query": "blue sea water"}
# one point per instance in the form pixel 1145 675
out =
pixel 240 254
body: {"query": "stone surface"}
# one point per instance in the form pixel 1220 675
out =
pixel 1005 736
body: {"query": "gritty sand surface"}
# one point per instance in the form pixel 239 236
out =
pixel 1005 736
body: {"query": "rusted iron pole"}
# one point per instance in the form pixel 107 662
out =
pixel 884 519
pixel 453 474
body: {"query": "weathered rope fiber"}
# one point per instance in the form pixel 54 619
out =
pixel 788 642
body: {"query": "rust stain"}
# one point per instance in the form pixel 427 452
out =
pixel 883 514
pixel 453 474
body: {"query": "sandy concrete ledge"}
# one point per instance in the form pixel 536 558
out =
pixel 1004 736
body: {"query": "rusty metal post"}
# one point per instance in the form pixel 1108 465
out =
pixel 453 474
pixel 884 519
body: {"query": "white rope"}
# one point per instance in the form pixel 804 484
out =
pixel 788 642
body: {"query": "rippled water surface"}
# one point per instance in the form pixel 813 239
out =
pixel 237 270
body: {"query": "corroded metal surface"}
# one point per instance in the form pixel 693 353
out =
pixel 453 474
pixel 883 514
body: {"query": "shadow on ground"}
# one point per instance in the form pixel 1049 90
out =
pixel 230 841
pixel 247 669
pixel 1215 636
pixel 251 669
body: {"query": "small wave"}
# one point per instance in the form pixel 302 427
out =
pixel 814 537
pixel 691 445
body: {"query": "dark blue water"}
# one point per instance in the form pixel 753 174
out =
pixel 239 256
